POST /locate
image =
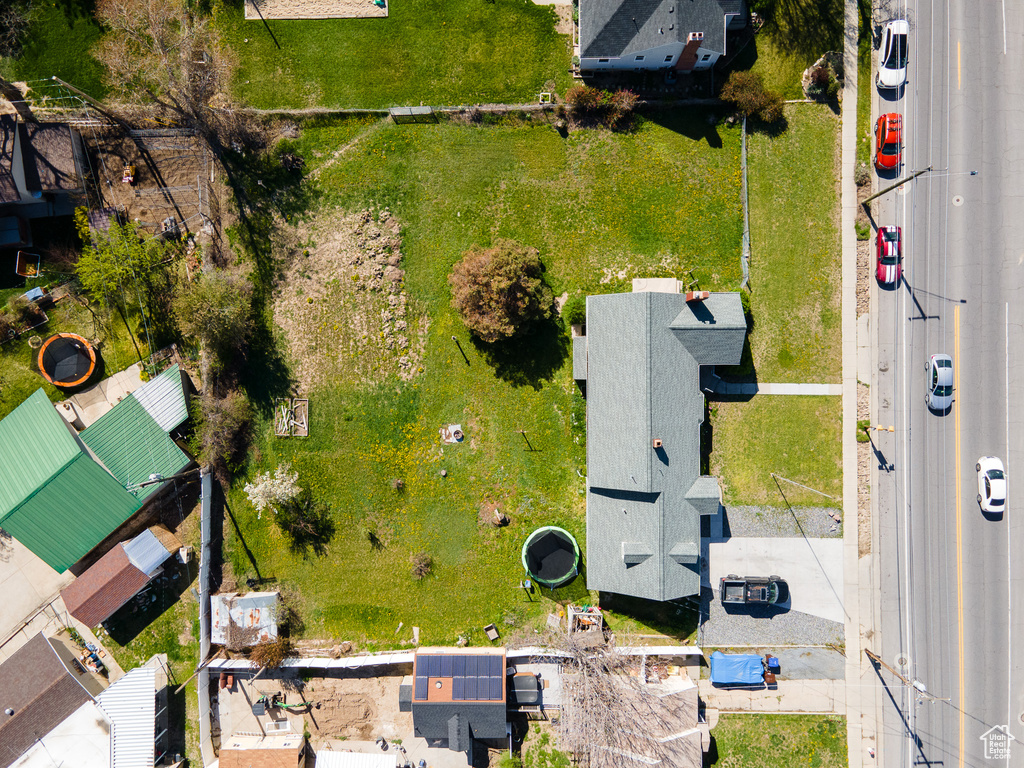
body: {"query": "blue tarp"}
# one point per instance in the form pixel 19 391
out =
pixel 736 669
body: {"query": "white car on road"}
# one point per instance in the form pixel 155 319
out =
pixel 892 56
pixel 991 484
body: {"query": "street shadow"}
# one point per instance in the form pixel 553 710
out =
pixel 921 314
pixel 883 463
pixel 530 358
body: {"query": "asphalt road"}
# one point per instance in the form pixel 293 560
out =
pixel 952 614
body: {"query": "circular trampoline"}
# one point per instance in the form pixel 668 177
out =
pixel 551 556
pixel 67 360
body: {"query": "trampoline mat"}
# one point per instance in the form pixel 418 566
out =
pixel 551 558
pixel 66 360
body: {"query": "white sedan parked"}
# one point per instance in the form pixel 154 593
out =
pixel 991 484
pixel 892 57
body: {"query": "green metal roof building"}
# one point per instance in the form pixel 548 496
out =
pixel 62 493
pixel 55 498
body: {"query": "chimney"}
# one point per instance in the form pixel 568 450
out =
pixel 697 295
pixel 657 442
pixel 688 58
pixel 695 37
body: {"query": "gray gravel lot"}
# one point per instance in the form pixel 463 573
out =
pixel 762 626
pixel 814 522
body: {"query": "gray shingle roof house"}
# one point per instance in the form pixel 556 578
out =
pixel 685 35
pixel 41 168
pixel 645 493
pixel 459 695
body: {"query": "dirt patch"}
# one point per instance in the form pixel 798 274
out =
pixel 564 24
pixel 342 302
pixel 354 708
pixel 864 266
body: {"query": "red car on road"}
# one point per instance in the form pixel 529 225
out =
pixel 889 265
pixel 889 141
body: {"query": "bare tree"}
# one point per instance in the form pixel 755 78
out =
pixel 616 713
pixel 160 52
pixel 13 94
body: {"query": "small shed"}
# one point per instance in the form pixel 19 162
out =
pixel 243 620
pixel 165 398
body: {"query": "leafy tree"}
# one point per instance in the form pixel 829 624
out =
pixel 574 311
pixel 116 266
pixel 307 522
pixel 500 291
pixel 747 92
pixel 221 429
pixel 217 309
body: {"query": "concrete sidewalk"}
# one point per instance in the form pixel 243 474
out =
pixel 810 696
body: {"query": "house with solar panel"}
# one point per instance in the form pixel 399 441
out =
pixel 458 697
pixel 639 365
pixel 64 492
pixel 646 35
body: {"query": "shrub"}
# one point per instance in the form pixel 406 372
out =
pixel 862 174
pixel 574 311
pixel 500 291
pixel 26 313
pixel 863 230
pixel 216 309
pixel 270 654
pixel 623 102
pixel 422 563
pixel 7 329
pixel 585 101
pixel 862 431
pixel 821 76
pixel 747 93
pixel 221 429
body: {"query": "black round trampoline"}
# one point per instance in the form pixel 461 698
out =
pixel 67 360
pixel 551 556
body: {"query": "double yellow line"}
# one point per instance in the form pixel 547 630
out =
pixel 959 540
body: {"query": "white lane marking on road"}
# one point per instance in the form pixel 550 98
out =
pixel 1004 53
pixel 1006 516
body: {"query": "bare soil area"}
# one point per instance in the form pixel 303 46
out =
pixel 171 175
pixel 355 707
pixel 863 476
pixel 313 9
pixel 342 302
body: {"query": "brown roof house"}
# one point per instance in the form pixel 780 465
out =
pixel 41 168
pixel 254 750
pixel 119 575
pixel 53 712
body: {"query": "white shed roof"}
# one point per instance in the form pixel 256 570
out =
pixel 146 552
pixel 163 398
pixel 326 759
pixel 243 620
pixel 130 703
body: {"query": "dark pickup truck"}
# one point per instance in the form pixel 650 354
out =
pixel 752 590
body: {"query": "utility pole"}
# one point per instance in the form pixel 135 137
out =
pixel 897 184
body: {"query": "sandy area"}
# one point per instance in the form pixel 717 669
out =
pixel 314 9
pixel 342 302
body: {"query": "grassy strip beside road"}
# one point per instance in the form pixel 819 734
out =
pixel 794 436
pixel 795 253
pixel 779 741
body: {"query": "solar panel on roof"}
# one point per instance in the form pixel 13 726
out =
pixel 434 666
pixel 496 666
pixel 471 685
pixel 458 689
pixel 495 689
pixel 471 666
pixel 446 666
pixel 421 688
pixel 458 666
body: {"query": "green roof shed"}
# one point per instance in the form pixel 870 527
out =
pixel 133 447
pixel 54 497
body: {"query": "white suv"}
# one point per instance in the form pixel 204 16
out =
pixel 892 56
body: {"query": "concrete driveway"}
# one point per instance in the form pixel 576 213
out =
pixel 27 584
pixel 813 568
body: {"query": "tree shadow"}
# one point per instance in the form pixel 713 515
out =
pixel 530 358
pixel 308 523
pixel 812 26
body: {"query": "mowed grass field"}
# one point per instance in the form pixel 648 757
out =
pixel 424 52
pixel 601 209
pixel 795 253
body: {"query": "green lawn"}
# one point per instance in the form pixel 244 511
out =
pixel 599 207
pixel 796 437
pixel 780 741
pixel 18 375
pixel 795 252
pixel 57 43
pixel 424 52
